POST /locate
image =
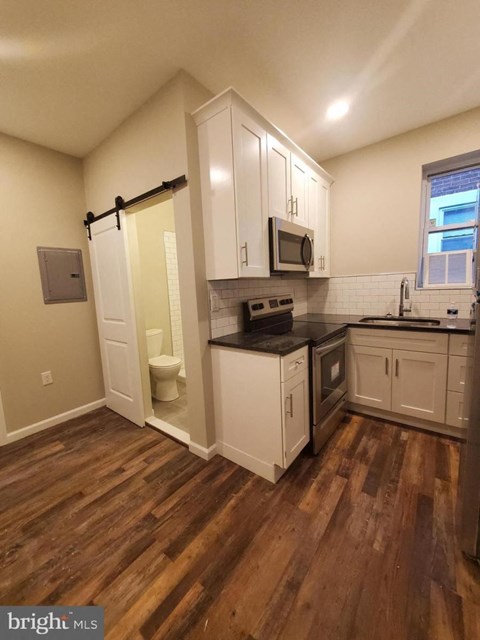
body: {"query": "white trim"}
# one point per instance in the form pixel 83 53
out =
pixel 202 452
pixel 168 429
pixel 54 420
pixel 269 471
pixel 3 424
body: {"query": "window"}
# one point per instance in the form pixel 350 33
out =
pixel 449 222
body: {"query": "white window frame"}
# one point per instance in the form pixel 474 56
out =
pixel 449 165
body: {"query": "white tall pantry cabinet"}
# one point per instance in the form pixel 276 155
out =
pixel 251 171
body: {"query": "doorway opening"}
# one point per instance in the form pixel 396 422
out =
pixel 153 250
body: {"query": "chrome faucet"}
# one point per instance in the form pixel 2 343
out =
pixel 405 304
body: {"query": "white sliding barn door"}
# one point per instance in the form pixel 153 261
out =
pixel 116 318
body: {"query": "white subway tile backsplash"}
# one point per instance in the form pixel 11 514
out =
pixel 170 242
pixel 232 293
pixel 379 294
pixel 374 294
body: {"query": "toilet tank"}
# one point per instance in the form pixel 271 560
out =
pixel 154 342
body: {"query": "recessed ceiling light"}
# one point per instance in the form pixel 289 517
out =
pixel 337 110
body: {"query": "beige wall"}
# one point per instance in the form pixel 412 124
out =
pixel 151 223
pixel 43 205
pixel 375 200
pixel 157 143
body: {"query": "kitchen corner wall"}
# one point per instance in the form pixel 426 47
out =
pixel 378 294
pixel 43 204
pixel 231 293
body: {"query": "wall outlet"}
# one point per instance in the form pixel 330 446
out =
pixel 47 377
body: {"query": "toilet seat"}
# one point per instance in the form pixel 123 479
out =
pixel 164 362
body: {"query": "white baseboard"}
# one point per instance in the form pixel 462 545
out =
pixel 202 452
pixel 168 429
pixel 54 420
pixel 263 469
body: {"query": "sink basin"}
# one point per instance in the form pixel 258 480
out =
pixel 400 321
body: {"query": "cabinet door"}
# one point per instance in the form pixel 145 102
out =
pixel 369 376
pixel 455 414
pixel 296 419
pixel 279 184
pixel 299 174
pixel 319 221
pixel 250 159
pixel 218 196
pixel 419 384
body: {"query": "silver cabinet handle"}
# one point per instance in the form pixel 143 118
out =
pixel 296 207
pixel 245 246
pixel 298 362
pixel 290 207
pixel 290 398
pixel 386 366
pixel 396 367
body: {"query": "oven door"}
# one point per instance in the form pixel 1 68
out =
pixel 291 246
pixel 329 376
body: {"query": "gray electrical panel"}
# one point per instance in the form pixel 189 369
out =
pixel 62 275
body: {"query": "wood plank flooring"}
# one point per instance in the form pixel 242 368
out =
pixel 357 543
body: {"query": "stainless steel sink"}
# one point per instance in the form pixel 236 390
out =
pixel 400 321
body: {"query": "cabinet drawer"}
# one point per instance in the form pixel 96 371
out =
pixel 459 344
pixel 457 370
pixel 426 341
pixel 454 415
pixel 294 363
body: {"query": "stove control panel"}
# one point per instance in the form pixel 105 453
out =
pixel 269 306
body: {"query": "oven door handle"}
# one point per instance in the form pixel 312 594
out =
pixel 330 346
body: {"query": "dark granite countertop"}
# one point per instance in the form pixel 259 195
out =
pixel 280 345
pixel 351 320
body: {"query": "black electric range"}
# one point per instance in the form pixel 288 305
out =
pixel 316 332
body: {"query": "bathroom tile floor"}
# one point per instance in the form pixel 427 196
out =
pixel 174 412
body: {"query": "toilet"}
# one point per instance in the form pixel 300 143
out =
pixel 163 369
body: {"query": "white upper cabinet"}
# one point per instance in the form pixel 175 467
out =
pixel 319 221
pixel 250 161
pixel 288 184
pixel 279 184
pixel 300 173
pixel 249 172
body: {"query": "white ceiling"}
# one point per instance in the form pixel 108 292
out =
pixel 70 72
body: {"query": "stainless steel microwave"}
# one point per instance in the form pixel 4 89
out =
pixel 291 246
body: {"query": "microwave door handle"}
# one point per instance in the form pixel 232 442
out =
pixel 307 261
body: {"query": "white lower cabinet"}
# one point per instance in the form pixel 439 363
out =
pixel 369 380
pixel 459 369
pixel 261 408
pixel 407 381
pixel 296 424
pixel 419 382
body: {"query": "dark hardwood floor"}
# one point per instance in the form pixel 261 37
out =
pixel 357 543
